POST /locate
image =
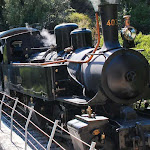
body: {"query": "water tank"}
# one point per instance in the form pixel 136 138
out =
pixel 62 33
pixel 81 38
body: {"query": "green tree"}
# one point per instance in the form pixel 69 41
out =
pixel 81 19
pixel 141 17
pixel 19 12
pixel 83 6
pixel 140 13
pixel 2 21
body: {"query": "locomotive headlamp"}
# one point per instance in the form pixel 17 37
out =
pixel 128 31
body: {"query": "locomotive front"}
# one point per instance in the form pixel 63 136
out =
pixel 120 74
pixel 114 78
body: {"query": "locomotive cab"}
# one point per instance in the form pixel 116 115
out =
pixel 18 48
pixel 16 51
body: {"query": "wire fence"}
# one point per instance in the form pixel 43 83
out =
pixel 28 121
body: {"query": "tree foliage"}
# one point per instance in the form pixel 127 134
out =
pixel 81 19
pixel 140 13
pixel 18 12
pixel 83 6
pixel 143 42
pixel 2 20
pixel 141 18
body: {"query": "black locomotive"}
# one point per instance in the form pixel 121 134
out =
pixel 61 81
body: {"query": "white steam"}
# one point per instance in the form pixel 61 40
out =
pixel 95 4
pixel 48 39
pixel 27 25
pixel 29 28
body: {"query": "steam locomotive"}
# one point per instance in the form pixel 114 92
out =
pixel 62 81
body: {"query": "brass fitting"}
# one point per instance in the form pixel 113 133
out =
pixel 89 111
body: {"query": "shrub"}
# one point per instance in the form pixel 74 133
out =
pixel 143 42
pixel 82 20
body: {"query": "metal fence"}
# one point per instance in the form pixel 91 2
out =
pixel 28 120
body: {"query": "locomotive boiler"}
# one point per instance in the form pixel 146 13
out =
pixel 62 81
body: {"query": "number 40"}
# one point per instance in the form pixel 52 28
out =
pixel 112 22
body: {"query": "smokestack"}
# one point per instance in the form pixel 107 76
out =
pixel 109 18
pixel 108 11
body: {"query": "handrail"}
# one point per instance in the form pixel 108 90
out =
pixel 1 109
pixel 12 114
pixel 19 125
pixel 51 138
pixel 19 130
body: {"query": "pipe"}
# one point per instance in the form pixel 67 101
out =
pixel 67 60
pixel 97 45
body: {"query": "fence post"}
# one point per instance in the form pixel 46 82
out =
pixel 52 134
pixel 12 114
pixel 26 127
pixel 1 110
pixel 92 147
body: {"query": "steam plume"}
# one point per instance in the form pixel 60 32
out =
pixel 95 4
pixel 29 28
pixel 48 39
